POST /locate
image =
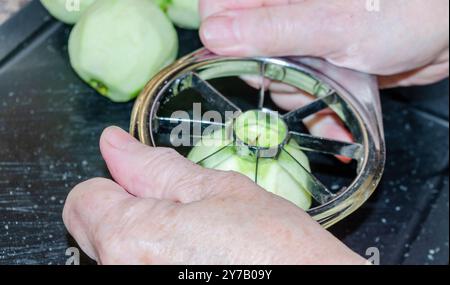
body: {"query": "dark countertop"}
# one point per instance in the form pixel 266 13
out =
pixel 50 123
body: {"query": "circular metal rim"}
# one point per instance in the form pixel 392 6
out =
pixel 361 188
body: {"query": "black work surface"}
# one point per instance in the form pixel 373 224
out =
pixel 50 123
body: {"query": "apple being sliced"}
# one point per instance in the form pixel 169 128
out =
pixel 282 174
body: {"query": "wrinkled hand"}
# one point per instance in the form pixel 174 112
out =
pixel 405 43
pixel 163 209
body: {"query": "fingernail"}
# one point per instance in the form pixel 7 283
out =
pixel 218 32
pixel 117 138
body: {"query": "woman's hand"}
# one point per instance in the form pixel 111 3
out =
pixel 406 42
pixel 163 209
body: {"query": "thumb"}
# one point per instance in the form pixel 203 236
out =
pixel 306 28
pixel 158 173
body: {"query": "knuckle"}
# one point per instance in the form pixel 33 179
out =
pixel 80 198
pixel 239 184
pixel 98 182
pixel 81 192
pixel 169 152
pixel 232 181
pixel 193 187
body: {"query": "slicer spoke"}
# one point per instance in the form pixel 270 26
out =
pixel 216 154
pixel 258 156
pixel 296 116
pixel 212 96
pixel 165 125
pixel 262 90
pixel 310 183
pixel 184 131
pixel 163 121
pixel 328 146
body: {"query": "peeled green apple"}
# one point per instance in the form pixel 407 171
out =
pixel 118 46
pixel 67 11
pixel 183 13
pixel 279 175
pixel 163 4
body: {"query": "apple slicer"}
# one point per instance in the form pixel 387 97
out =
pixel 202 85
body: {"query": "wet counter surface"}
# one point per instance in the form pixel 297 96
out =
pixel 50 123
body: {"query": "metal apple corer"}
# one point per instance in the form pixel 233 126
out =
pixel 201 87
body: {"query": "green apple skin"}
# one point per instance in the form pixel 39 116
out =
pixel 185 13
pixel 279 176
pixel 118 46
pixel 163 4
pixel 65 11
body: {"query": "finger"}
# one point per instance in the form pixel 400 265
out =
pixel 316 28
pixel 330 127
pixel 421 76
pixel 285 96
pixel 90 206
pixel 158 173
pixel 277 87
pixel 291 102
pixel 209 8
